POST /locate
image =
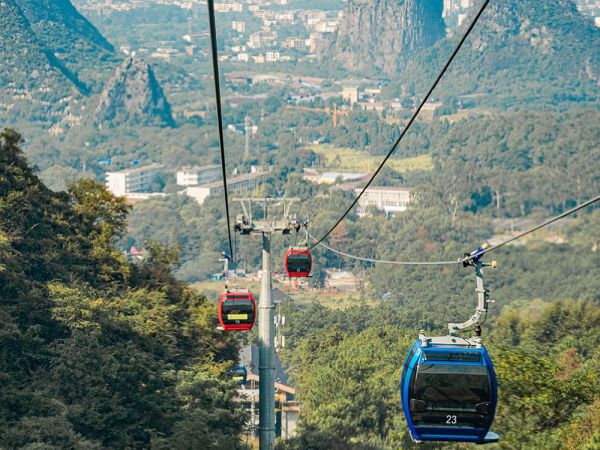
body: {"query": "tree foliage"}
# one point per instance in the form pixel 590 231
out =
pixel 97 352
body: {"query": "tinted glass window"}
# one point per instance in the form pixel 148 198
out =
pixel 451 395
pixel 298 263
pixel 405 367
pixel 237 312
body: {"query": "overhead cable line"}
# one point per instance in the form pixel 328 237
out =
pixel 215 64
pixel 537 227
pixel 410 122
pixel 382 261
pixel 476 254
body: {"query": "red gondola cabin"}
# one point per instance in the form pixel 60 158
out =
pixel 298 262
pixel 237 310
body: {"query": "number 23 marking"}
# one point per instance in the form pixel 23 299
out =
pixel 451 419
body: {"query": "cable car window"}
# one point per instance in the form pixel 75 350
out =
pixel 405 368
pixel 237 311
pixel 298 263
pixel 442 390
pixel 452 386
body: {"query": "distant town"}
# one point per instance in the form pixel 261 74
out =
pixel 201 182
pixel 265 33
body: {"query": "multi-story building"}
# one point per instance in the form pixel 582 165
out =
pixel 241 183
pixel 272 56
pixel 229 7
pixel 194 175
pixel 350 94
pixel 238 26
pixel 390 199
pixel 261 39
pixel 137 179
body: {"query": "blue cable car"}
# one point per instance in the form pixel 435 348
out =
pixel 448 385
pixel 449 391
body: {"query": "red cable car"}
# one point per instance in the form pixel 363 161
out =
pixel 297 262
pixel 237 310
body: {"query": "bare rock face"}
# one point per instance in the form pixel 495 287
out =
pixel 133 97
pixel 383 34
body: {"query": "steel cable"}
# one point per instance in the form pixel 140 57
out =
pixel 215 64
pixel 410 122
pixel 465 259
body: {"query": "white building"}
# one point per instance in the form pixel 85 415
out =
pixel 194 175
pixel 350 94
pixel 137 179
pixel 331 177
pixel 272 56
pixel 238 26
pixel 392 200
pixel 246 182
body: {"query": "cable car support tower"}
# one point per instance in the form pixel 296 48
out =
pixel 280 221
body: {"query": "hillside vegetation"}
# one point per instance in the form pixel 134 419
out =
pixel 517 56
pixel 97 352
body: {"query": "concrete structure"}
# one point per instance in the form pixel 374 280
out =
pixel 234 185
pixel 238 26
pixel 350 94
pixel 194 175
pixel 331 177
pixel 392 200
pixel 137 179
pixel 134 197
pixel 272 56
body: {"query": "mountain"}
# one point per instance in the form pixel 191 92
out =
pixel 384 34
pixel 31 76
pixel 70 36
pixel 133 97
pixel 517 54
pixel 50 57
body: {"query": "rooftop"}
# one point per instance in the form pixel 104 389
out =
pixel 385 189
pixel 138 169
pixel 198 168
pixel 239 179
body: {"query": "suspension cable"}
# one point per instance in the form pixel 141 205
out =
pixel 535 228
pixel 383 261
pixel 410 122
pixel 467 258
pixel 215 64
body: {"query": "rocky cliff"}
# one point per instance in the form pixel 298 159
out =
pixel 544 55
pixel 133 97
pixel 384 34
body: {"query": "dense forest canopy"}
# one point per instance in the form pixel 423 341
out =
pixel 98 352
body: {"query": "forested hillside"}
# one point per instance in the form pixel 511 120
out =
pixel 97 352
pixel 34 80
pixel 546 355
pixel 539 57
pixel 69 36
